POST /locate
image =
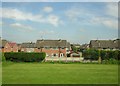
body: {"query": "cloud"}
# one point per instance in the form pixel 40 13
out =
pixel 73 13
pixel 21 27
pixel 19 15
pixel 48 9
pixel 24 16
pixel 77 14
pixel 112 9
pixel 46 32
pixel 53 19
pixel 84 16
pixel 108 22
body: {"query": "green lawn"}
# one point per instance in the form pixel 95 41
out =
pixel 41 73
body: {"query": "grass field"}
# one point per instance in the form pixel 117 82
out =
pixel 41 73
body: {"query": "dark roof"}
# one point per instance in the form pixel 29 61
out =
pixel 84 46
pixel 3 42
pixel 28 45
pixel 104 43
pixel 52 43
pixel 19 44
pixel 75 44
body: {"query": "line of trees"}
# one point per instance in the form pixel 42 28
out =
pixel 93 54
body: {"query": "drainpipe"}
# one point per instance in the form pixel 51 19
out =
pixel 59 51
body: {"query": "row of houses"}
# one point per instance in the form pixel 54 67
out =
pixel 100 44
pixel 105 44
pixel 50 47
pixel 58 48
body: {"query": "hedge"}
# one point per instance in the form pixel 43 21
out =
pixel 93 54
pixel 24 56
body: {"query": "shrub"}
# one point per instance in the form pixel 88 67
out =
pixel 2 57
pixel 106 56
pixel 110 61
pixel 24 56
pixel 91 54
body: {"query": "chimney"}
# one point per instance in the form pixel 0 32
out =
pixel 59 40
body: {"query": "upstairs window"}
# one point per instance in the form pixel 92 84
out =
pixel 47 47
pixel 55 48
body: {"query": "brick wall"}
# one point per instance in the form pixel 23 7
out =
pixel 51 51
pixel 8 48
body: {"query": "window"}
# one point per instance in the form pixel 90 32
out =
pixel 54 54
pixel 55 48
pixel 62 48
pixel 47 47
pixel 67 50
pixel 104 48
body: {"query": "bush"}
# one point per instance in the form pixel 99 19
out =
pixel 106 56
pixel 2 57
pixel 24 57
pixel 91 54
pixel 110 61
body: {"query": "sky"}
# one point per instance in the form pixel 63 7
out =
pixel 76 22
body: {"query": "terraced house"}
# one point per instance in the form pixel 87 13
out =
pixel 10 47
pixel 105 44
pixel 2 44
pixel 28 47
pixel 58 48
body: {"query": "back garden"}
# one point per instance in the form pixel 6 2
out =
pixel 22 68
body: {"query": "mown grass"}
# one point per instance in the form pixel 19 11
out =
pixel 47 73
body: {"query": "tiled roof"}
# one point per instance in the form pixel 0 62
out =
pixel 11 44
pixel 3 42
pixel 28 45
pixel 52 43
pixel 104 43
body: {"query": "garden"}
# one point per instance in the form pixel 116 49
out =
pixel 30 68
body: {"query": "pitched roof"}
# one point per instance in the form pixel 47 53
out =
pixel 28 45
pixel 52 43
pixel 104 43
pixel 12 44
pixel 3 42
pixel 84 46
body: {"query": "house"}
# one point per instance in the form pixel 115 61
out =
pixel 76 45
pixel 75 54
pixel 2 44
pixel 58 48
pixel 10 47
pixel 84 46
pixel 19 47
pixel 28 47
pixel 105 44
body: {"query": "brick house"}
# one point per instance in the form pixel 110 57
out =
pixel 28 47
pixel 2 44
pixel 10 47
pixel 105 44
pixel 19 47
pixel 58 48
